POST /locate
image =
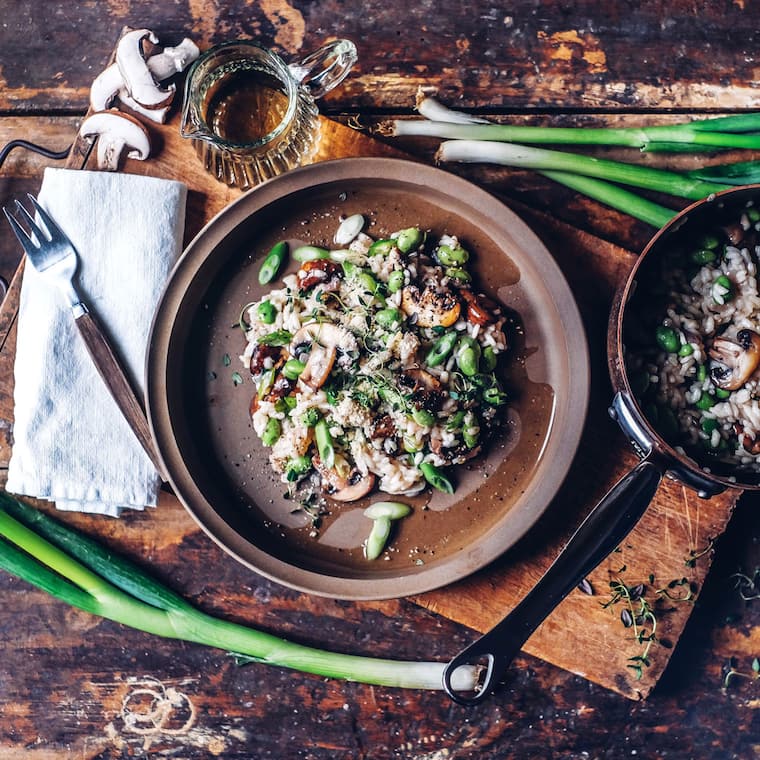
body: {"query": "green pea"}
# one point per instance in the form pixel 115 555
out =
pixel 395 281
pixel 272 262
pixel 458 274
pixel 488 360
pixel 423 417
pixel 722 290
pixel 709 241
pixel 378 537
pixel 709 424
pixel 667 339
pixel 470 430
pixel 290 403
pixel 266 312
pixel 753 214
pixel 703 256
pixel 436 478
pixel 293 369
pixel 702 373
pixel 441 349
pixel 706 401
pixel 391 510
pixel 388 318
pixel 310 253
pixel 409 239
pixel 296 467
pixel 310 417
pixel 686 350
pixel 451 257
pixel 272 432
pixel 468 356
pixel 722 393
pixel 324 443
pixel 381 247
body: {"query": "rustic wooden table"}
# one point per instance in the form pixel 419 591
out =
pixel 73 686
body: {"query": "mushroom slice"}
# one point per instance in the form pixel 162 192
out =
pixel 737 360
pixel 342 482
pixel 355 490
pixel 480 309
pixel 105 88
pixel 117 133
pixel 324 339
pixel 172 60
pixel 138 78
pixel 434 306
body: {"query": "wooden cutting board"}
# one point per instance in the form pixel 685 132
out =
pixel 665 559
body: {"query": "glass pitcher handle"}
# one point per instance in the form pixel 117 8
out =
pixel 326 67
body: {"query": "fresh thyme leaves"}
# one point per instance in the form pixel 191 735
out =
pixel 276 338
pixel 730 672
pixel 695 554
pixel 237 378
pixel 748 585
pixel 226 361
pixel 642 616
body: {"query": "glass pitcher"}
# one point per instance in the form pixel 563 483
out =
pixel 250 115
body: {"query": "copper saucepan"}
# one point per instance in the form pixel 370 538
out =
pixel 622 507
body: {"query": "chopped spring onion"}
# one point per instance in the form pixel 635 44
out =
pixel 79 571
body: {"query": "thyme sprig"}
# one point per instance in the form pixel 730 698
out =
pixel 730 672
pixel 748 585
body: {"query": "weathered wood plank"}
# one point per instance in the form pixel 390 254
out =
pixel 528 55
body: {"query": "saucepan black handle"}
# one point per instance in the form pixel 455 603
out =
pixel 597 537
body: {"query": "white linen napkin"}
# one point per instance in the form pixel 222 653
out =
pixel 71 444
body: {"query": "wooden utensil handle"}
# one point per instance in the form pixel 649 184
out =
pixel 115 378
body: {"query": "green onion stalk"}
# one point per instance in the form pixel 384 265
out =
pixel 79 571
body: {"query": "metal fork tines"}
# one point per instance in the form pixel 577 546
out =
pixel 48 249
pixel 53 255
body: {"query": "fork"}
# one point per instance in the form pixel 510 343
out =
pixel 51 253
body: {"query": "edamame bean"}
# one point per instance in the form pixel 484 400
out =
pixel 324 443
pixel 381 247
pixel 702 373
pixel 296 467
pixel 721 393
pixel 703 256
pixel 266 312
pixel 708 425
pixel 470 430
pixel 468 356
pixel 452 257
pixel 686 350
pixel 310 253
pixel 436 478
pixel 272 262
pixel 293 369
pixel 488 360
pixel 391 510
pixel 395 281
pixel 753 214
pixel 441 349
pixel 458 274
pixel 722 290
pixel 272 432
pixel 456 420
pixel 388 317
pixel 423 417
pixel 378 537
pixel 709 241
pixel 409 239
pixel 705 401
pixel 667 339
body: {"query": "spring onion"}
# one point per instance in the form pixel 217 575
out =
pixel 79 571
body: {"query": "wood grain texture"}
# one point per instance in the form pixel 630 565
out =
pixel 73 686
pixel 526 55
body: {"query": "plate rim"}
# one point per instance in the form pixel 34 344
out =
pixel 212 235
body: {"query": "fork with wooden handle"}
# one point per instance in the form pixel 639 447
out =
pixel 51 253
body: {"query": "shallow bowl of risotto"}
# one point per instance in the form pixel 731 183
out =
pixel 367 378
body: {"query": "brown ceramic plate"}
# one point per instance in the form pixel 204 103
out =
pixel 198 407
